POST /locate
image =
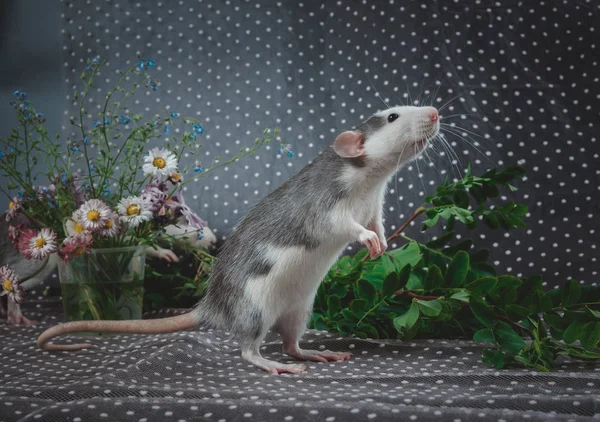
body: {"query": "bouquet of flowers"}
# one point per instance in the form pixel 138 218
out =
pixel 121 202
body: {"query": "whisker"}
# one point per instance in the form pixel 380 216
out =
pixel 454 115
pixel 452 125
pixel 447 103
pixel 453 154
pixel 470 143
pixel 375 89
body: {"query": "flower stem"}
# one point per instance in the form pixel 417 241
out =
pixel 417 213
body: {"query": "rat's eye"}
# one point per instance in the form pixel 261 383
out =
pixel 392 117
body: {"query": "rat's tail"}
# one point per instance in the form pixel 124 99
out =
pixel 148 326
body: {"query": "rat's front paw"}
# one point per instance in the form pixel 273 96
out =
pixel 383 244
pixel 371 241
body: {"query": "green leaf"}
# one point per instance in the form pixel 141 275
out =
pixel 485 335
pixel 408 254
pixel 390 284
pixel 414 282
pixel 490 190
pixel 525 291
pixel 581 354
pixel 334 305
pixel 508 338
pixel 366 291
pixel 441 241
pixel 349 316
pixel 482 285
pixel 524 360
pixel 571 293
pixel 457 271
pixel 369 330
pixel 491 221
pixel 556 321
pixel 461 199
pixel 407 321
pixel 404 276
pixel 482 255
pixel 461 295
pixel 430 308
pixel 573 332
pixel 541 302
pixel 434 278
pixel 376 271
pixel 506 290
pixel 594 313
pixel 517 312
pixel 358 306
pixel 591 335
pixel 494 358
pixel 482 312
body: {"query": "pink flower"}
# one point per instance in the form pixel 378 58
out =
pixel 73 246
pixel 11 284
pixel 23 245
pixel 14 232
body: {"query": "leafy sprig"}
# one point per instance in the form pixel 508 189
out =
pixel 447 288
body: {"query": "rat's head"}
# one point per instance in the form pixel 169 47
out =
pixel 395 135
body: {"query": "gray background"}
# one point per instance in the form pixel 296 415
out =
pixel 526 73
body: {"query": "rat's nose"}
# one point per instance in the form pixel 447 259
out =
pixel 433 116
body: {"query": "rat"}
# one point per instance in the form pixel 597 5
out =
pixel 269 269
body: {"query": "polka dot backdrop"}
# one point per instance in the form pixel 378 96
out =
pixel 200 376
pixel 516 84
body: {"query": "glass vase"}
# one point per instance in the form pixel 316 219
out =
pixel 105 284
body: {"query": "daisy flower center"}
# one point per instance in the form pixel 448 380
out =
pixel 7 285
pixel 77 251
pixel 133 209
pixel 79 228
pixel 159 162
pixel 40 243
pixel 109 224
pixel 93 215
pixel 176 177
pixel 11 205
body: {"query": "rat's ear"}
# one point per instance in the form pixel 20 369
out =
pixel 349 144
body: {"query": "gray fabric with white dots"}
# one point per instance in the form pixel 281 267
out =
pixel 199 375
pixel 520 77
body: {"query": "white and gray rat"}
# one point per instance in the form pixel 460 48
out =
pixel 267 274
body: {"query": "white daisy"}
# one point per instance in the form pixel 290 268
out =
pixel 73 225
pixel 10 284
pixel 13 208
pixel 42 244
pixel 112 226
pixel 134 210
pixel 160 163
pixel 93 214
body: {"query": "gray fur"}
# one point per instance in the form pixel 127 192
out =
pixel 372 125
pixel 291 215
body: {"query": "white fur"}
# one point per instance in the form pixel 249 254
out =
pixel 293 281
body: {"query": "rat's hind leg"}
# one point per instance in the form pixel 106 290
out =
pixel 251 353
pixel 15 316
pixel 291 327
